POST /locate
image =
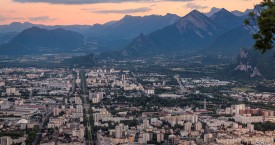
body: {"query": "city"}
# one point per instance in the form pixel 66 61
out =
pixel 113 106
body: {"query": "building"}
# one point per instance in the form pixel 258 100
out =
pixel 235 109
pixel 79 108
pixel 118 132
pixel 6 140
pixel 248 119
pixel 228 139
pixel 12 91
pixel 2 83
pixel 160 137
pixel 149 92
pixel 198 126
pixel 207 137
pixel 96 97
pixel 56 111
pixel 250 127
pixel 103 113
pixel 187 126
pixel 78 100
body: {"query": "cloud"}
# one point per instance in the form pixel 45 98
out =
pixel 41 19
pixel 195 6
pixel 91 1
pixel 6 18
pixel 2 18
pixel 122 11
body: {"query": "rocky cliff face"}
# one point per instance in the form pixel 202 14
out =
pixel 252 64
pixel 245 65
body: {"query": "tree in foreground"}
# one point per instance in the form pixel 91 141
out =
pixel 264 18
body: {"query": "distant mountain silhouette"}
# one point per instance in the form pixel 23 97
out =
pixel 230 43
pixel 220 32
pixel 235 12
pixel 116 35
pixel 19 27
pixel 212 11
pixel 238 13
pixel 195 31
pixel 40 41
pixel 15 27
pixel 226 20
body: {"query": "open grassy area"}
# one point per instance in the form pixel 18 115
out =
pixel 243 89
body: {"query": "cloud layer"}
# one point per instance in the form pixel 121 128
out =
pixel 122 11
pixel 41 19
pixel 2 18
pixel 91 1
pixel 195 6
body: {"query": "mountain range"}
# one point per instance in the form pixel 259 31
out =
pixel 235 12
pixel 222 32
pixel 113 35
pixel 36 40
pixel 19 27
pixel 219 32
pixel 116 35
pixel 7 32
pixel 189 33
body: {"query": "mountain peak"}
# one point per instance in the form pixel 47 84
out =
pixel 35 40
pixel 126 17
pixel 15 23
pixel 223 12
pixel 226 20
pixel 171 15
pixel 33 29
pixel 212 11
pixel 195 12
pixel 195 20
pixel 167 14
pixel 21 24
pixel 241 13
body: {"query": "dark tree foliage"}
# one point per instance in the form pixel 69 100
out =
pixel 31 135
pixel 264 126
pixel 266 22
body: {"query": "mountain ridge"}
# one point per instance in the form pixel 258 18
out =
pixel 119 34
pixel 195 31
pixel 36 40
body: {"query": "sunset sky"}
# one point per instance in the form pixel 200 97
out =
pixel 66 12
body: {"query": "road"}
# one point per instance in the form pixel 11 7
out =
pixel 42 126
pixel 90 141
pixel 84 95
pixel 182 88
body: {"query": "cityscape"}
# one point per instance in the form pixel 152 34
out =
pixel 120 106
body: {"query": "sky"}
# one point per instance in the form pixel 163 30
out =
pixel 88 12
